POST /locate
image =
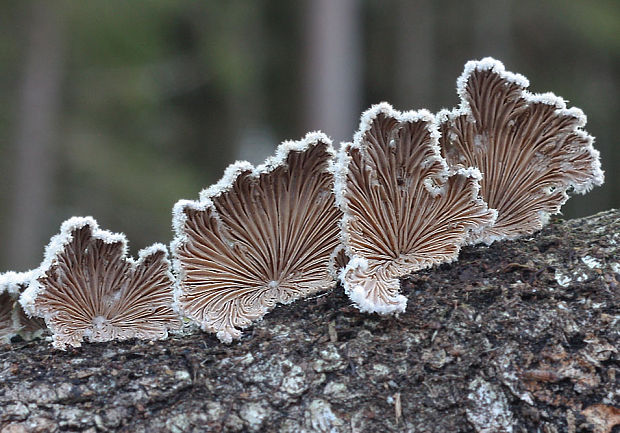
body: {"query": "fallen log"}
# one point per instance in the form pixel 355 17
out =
pixel 521 336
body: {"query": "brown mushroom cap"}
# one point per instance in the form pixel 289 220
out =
pixel 87 287
pixel 7 329
pixel 403 209
pixel 8 294
pixel 27 327
pixel 13 320
pixel 530 148
pixel 259 237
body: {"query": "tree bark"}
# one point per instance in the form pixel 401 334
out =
pixel 521 336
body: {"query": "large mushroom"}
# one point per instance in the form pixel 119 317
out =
pixel 259 237
pixel 404 210
pixel 530 148
pixel 86 287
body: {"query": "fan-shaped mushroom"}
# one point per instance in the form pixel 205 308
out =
pixel 403 208
pixel 87 287
pixel 13 320
pixel 6 319
pixel 258 237
pixel 8 295
pixel 530 148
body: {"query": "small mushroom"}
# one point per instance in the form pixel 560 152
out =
pixel 530 148
pixel 86 287
pixel 6 320
pixel 7 298
pixel 258 237
pixel 404 209
pixel 13 320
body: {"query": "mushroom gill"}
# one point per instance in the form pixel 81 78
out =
pixel 530 148
pixel 13 320
pixel 404 210
pixel 259 237
pixel 7 329
pixel 87 288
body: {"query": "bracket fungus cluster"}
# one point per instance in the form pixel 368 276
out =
pixel 260 236
pixel 87 287
pixel 408 193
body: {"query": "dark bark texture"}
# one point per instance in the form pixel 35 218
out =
pixel 521 336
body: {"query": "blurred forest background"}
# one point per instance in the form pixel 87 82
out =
pixel 117 109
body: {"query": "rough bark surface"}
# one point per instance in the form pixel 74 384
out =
pixel 522 336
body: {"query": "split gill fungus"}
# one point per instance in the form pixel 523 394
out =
pixel 407 193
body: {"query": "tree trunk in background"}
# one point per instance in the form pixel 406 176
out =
pixel 415 55
pixel 518 337
pixel 333 67
pixel 246 99
pixel 492 29
pixel 32 180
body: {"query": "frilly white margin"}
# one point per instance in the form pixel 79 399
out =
pixel 11 280
pixel 548 98
pixel 358 295
pixel 474 172
pixel 332 266
pixel 340 175
pixel 10 283
pixel 57 245
pixel 343 159
pixel 231 173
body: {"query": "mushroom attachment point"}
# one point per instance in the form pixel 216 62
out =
pixel 530 148
pixel 87 287
pixel 258 237
pixel 404 210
